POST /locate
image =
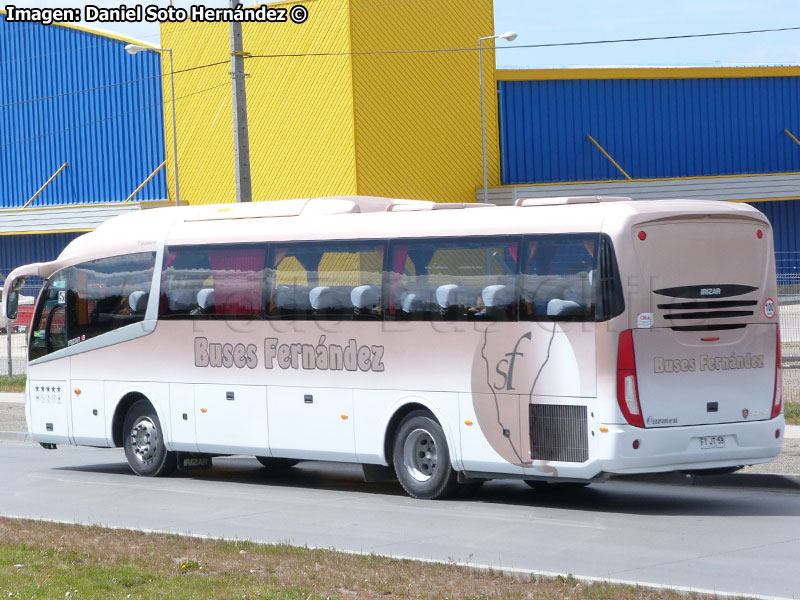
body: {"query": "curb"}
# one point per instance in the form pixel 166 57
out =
pixel 14 436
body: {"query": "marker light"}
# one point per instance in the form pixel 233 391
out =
pixel 627 388
pixel 344 417
pixel 203 410
pixel 636 444
pixel 759 234
pixel 642 235
pixel 468 423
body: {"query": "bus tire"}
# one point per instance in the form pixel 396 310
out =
pixel 422 458
pixel 276 464
pixel 143 440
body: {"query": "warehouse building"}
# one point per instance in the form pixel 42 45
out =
pixel 82 130
pixel 358 101
pixel 375 98
pixel 726 133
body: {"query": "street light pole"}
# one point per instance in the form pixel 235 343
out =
pixel 509 36
pixel 134 49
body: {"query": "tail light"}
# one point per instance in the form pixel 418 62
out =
pixel 777 399
pixel 627 388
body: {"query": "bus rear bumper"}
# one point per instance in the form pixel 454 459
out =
pixel 690 448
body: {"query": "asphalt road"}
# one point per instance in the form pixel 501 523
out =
pixel 745 540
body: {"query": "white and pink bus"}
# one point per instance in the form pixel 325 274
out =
pixel 559 340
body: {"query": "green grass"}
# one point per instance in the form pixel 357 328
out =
pixel 75 562
pixel 14 383
pixel 66 574
pixel 791 412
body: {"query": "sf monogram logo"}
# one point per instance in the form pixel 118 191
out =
pixel 505 366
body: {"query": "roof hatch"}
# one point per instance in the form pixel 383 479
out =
pixel 560 200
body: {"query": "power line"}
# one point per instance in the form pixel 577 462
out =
pixel 111 85
pixel 421 51
pixel 519 46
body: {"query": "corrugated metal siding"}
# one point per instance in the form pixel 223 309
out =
pixel 402 125
pixel 653 128
pixel 17 250
pixel 300 108
pixel 785 219
pixel 64 98
pixel 418 115
pixel 747 188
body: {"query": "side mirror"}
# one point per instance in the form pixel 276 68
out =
pixel 12 303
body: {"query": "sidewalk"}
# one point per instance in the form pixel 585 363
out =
pixel 12 397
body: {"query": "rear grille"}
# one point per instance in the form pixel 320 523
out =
pixel 717 327
pixel 710 311
pixel 710 304
pixel 559 433
pixel 720 314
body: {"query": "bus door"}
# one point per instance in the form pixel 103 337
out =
pixel 48 380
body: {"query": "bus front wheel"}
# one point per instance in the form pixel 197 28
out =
pixel 422 458
pixel 144 442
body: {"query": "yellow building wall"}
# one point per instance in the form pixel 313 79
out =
pixel 203 109
pixel 300 108
pixel 418 113
pixel 341 104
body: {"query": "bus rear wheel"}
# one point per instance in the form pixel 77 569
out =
pixel 143 440
pixel 422 458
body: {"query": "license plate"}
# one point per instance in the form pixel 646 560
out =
pixel 712 441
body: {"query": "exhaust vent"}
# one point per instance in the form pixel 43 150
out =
pixel 559 433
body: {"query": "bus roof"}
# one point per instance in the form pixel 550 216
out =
pixel 365 217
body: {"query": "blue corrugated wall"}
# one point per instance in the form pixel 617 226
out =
pixel 653 127
pixel 68 95
pixel 16 250
pixel 785 218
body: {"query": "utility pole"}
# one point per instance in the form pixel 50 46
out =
pixel 241 139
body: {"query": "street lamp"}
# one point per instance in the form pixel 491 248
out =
pixel 509 36
pixel 135 49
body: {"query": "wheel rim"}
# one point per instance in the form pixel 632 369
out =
pixel 420 455
pixel 144 439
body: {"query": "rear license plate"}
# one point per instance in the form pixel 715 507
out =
pixel 712 441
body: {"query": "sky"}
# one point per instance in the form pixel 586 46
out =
pixel 541 22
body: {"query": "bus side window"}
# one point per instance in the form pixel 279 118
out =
pixel 327 281
pixel 558 272
pixel 109 293
pixel 219 281
pixel 452 279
